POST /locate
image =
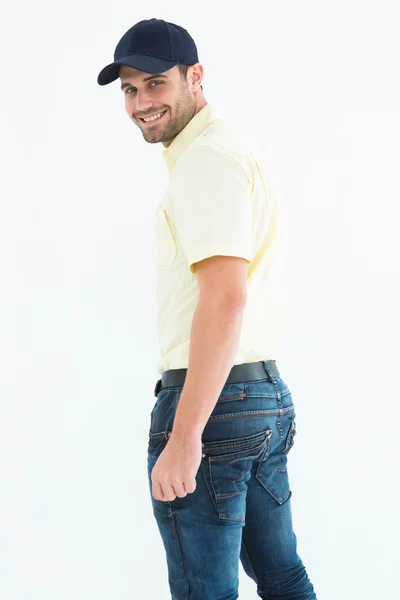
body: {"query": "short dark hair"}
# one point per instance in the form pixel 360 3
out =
pixel 183 69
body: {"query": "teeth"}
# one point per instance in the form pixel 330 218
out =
pixel 154 117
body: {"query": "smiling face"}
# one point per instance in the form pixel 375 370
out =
pixel 177 100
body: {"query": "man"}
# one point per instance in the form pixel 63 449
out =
pixel 224 420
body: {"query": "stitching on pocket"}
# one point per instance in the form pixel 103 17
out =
pixel 252 413
pixel 227 481
pixel 272 470
pixel 157 440
pixel 290 437
pixel 236 448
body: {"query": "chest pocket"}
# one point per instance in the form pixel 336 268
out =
pixel 166 246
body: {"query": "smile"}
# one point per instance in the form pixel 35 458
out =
pixel 152 121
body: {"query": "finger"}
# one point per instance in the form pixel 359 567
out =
pixel 190 485
pixel 179 488
pixel 157 490
pixel 168 492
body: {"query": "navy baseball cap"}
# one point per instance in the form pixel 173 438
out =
pixel 152 46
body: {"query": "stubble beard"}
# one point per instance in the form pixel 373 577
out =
pixel 185 109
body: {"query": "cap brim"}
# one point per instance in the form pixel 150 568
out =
pixel 148 64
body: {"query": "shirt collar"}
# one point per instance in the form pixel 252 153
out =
pixel 201 120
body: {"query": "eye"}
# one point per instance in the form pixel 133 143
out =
pixel 132 88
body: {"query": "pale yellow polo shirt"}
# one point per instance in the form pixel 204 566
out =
pixel 220 201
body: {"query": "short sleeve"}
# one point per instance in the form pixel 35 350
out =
pixel 211 199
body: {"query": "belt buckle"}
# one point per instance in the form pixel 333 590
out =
pixel 157 388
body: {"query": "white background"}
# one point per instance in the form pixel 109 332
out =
pixel 315 84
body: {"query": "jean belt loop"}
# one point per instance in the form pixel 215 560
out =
pixel 157 388
pixel 267 371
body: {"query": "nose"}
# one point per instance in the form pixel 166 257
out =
pixel 143 103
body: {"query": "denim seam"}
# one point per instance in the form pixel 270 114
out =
pixel 250 563
pixel 251 413
pixel 220 497
pixel 261 395
pixel 235 455
pixel 210 491
pixel 237 444
pixel 284 499
pixel 213 489
pixel 236 481
pixel 217 504
pixel 236 491
pixel 278 398
pixel 180 551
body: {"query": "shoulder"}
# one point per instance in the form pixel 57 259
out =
pixel 219 150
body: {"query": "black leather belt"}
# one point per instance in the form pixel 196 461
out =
pixel 239 373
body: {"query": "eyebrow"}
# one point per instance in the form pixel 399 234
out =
pixel 156 76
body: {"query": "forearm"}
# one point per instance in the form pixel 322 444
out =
pixel 214 338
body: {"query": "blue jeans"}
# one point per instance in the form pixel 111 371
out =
pixel 240 509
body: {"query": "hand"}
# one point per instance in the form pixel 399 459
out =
pixel 174 473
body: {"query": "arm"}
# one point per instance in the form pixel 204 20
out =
pixel 214 338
